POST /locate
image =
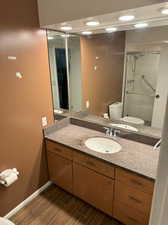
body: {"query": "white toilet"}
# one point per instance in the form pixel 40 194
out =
pixel 4 221
pixel 115 112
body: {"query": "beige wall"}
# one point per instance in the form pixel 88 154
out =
pixel 57 11
pixel 146 36
pixel 103 86
pixel 23 102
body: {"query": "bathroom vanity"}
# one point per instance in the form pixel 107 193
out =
pixel 119 184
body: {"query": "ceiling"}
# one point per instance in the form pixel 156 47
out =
pixel 150 14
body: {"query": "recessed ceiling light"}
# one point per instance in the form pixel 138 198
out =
pixel 141 25
pixel 87 32
pixel 126 18
pixel 92 23
pixel 111 29
pixel 66 28
pixel 50 38
pixel 164 11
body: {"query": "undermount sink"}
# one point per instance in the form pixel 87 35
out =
pixel 124 126
pixel 103 145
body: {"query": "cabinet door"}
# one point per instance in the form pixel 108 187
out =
pixel 60 171
pixel 93 188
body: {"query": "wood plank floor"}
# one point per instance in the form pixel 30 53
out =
pixel 56 207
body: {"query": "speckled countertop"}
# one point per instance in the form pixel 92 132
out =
pixel 136 157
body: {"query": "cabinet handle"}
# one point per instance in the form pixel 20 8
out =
pixel 90 163
pixel 134 199
pixel 136 182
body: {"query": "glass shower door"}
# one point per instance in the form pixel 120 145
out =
pixel 141 81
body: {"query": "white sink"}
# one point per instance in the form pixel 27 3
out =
pixel 103 145
pixel 124 126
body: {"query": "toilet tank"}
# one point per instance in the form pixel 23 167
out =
pixel 115 110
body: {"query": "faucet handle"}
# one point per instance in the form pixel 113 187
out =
pixel 115 132
pixel 107 130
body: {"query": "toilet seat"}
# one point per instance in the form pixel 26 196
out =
pixel 4 221
pixel 135 120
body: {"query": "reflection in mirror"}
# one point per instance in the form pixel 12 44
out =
pixel 58 67
pixel 121 76
pixel 146 75
pixel 102 57
pixel 65 67
pixel 141 80
pixel 75 78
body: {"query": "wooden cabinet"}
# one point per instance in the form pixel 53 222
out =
pixel 94 164
pixel 93 188
pixel 129 195
pixel 59 149
pixel 60 171
pixel 132 198
pixel 115 191
pixel 137 182
pixel 129 216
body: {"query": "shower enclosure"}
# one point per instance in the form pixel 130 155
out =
pixel 141 83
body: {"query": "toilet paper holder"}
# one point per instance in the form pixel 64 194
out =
pixel 4 175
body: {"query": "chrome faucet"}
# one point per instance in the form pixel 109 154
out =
pixel 111 132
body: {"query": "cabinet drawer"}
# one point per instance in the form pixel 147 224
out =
pixel 60 171
pixel 128 215
pixel 94 164
pixel 135 181
pixel 132 197
pixel 59 149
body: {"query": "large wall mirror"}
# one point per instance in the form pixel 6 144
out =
pixel 118 75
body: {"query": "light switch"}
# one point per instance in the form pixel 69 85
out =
pixel 19 75
pixel 44 121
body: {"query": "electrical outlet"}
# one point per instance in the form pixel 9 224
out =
pixel 87 104
pixel 44 121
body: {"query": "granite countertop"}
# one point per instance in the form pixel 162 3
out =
pixel 134 156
